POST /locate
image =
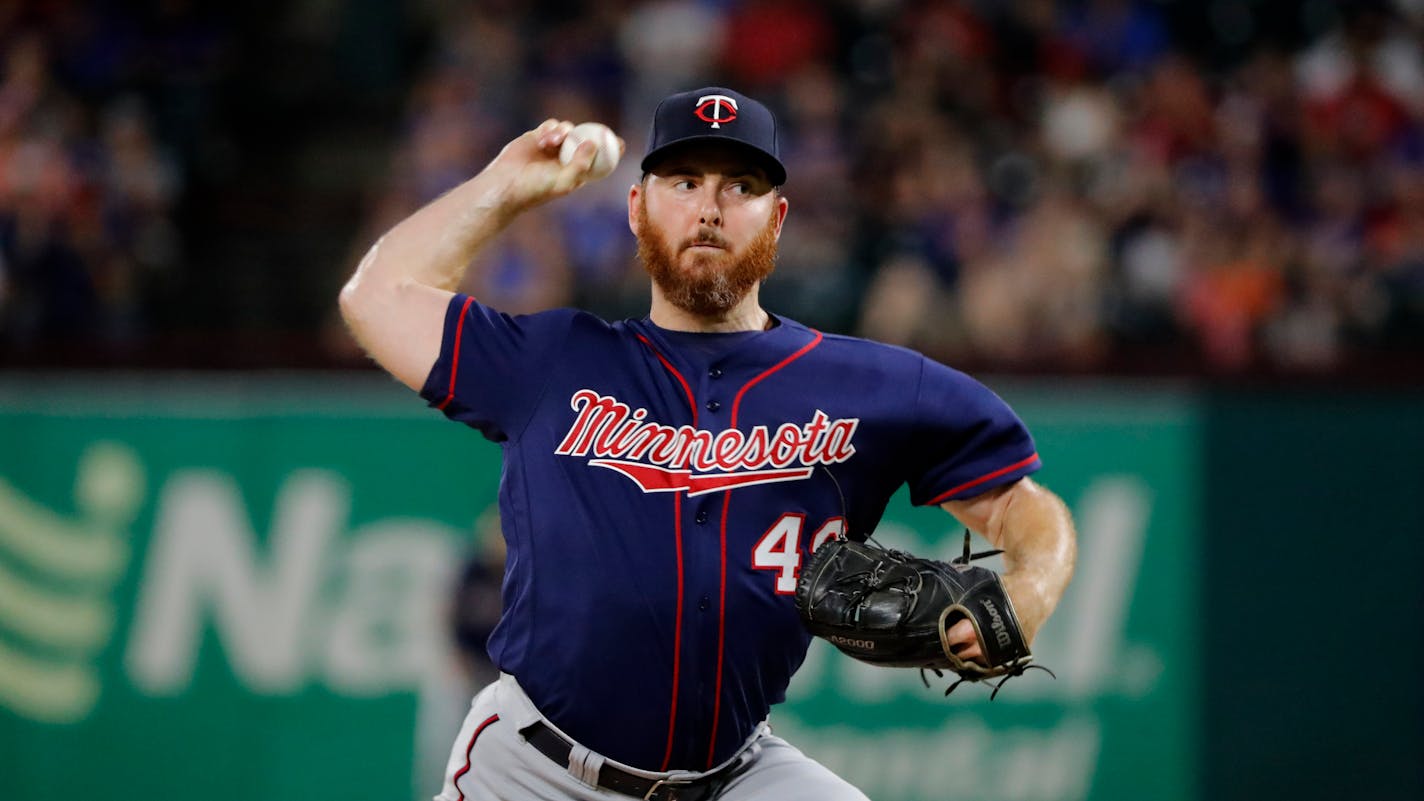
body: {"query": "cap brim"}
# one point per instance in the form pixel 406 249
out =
pixel 775 171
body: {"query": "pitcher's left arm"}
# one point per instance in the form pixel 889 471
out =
pixel 1035 530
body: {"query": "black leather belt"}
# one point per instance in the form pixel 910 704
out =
pixel 552 745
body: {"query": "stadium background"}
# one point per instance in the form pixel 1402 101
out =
pixel 1185 239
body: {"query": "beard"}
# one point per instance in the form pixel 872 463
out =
pixel 709 284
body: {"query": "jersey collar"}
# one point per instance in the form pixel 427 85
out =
pixel 766 348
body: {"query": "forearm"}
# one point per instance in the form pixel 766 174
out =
pixel 396 300
pixel 434 246
pixel 1035 530
pixel 393 302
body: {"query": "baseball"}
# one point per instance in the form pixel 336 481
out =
pixel 606 158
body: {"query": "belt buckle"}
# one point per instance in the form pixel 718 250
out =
pixel 673 784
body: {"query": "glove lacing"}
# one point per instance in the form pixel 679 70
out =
pixel 964 559
pixel 1018 671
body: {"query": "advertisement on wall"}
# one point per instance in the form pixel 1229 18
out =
pixel 245 591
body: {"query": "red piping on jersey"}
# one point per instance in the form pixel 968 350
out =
pixel 788 360
pixel 691 402
pixel 980 480
pixel 677 631
pixel 455 358
pixel 721 634
pixel 469 754
pixel 726 503
pixel 677 533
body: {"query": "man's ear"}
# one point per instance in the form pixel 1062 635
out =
pixel 781 207
pixel 635 197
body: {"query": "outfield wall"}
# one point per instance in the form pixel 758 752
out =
pixel 240 584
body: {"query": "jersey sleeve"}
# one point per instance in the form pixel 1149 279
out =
pixel 969 440
pixel 493 366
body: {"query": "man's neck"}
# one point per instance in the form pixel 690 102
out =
pixel 747 315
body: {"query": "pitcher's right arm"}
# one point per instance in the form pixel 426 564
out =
pixel 395 302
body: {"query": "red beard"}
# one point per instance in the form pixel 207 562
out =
pixel 714 282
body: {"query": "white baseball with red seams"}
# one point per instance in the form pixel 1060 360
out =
pixel 607 157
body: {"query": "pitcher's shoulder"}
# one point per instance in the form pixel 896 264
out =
pixel 852 350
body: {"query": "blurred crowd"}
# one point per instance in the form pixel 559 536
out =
pixel 89 186
pixel 1098 185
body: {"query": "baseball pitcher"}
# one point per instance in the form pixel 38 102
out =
pixel 686 498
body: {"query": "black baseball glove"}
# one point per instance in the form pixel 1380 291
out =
pixel 890 608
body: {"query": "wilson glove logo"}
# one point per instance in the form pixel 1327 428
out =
pixel 661 458
pixel 1001 632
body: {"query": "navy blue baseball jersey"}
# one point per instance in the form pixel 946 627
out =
pixel 661 490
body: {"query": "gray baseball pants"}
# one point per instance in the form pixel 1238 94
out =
pixel 491 761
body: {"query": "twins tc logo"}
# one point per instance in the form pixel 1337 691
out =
pixel 660 458
pixel 716 109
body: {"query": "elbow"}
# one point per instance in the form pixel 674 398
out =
pixel 362 290
pixel 364 303
pixel 350 301
pixel 355 305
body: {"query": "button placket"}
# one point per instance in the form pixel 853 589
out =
pixel 713 374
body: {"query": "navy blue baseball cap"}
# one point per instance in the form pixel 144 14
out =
pixel 716 114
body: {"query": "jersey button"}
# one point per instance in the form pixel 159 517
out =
pixel 713 406
pixel 715 372
pixel 704 604
pixel 701 516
